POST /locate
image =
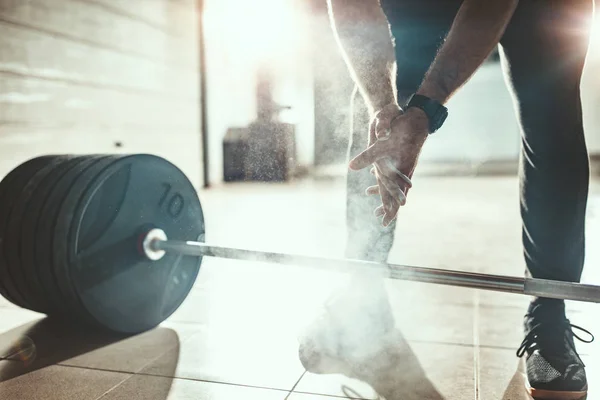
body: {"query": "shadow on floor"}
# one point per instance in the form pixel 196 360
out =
pixel 356 336
pixel 516 387
pixel 395 373
pixel 48 341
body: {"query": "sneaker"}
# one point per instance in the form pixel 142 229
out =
pixel 554 369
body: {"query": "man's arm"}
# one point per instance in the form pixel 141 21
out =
pixel 477 29
pixel 363 34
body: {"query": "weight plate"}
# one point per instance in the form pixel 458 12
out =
pixel 60 238
pixel 44 237
pixel 48 301
pixel 36 161
pixel 12 241
pixel 10 187
pixel 120 289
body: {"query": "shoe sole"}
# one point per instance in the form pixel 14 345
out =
pixel 540 394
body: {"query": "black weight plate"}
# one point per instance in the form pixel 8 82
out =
pixel 48 301
pixel 36 161
pixel 61 240
pixel 120 289
pixel 12 241
pixel 44 237
pixel 6 181
pixel 10 187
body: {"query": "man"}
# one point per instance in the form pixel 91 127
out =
pixel 430 48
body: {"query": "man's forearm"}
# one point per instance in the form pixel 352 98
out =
pixel 363 34
pixel 477 29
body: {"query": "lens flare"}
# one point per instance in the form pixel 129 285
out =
pixel 23 349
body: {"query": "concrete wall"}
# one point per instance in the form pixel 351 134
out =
pixel 85 76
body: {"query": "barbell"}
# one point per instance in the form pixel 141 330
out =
pixel 117 241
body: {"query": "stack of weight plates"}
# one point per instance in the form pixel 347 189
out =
pixel 69 238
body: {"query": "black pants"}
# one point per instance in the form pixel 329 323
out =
pixel 543 52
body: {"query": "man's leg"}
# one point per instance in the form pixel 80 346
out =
pixel 544 50
pixel 419 27
pixel 367 238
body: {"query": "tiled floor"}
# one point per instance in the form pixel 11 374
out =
pixel 236 336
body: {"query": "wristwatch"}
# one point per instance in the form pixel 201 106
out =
pixel 435 111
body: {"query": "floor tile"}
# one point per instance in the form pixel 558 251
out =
pixel 251 314
pixel 585 315
pixel 450 370
pixel 22 336
pixel 336 385
pixel 417 292
pixel 194 309
pixel 241 354
pixel 464 232
pixel 405 372
pixel 589 321
pixel 592 369
pixel 12 317
pixel 499 299
pixel 47 342
pixel 55 382
pixel 501 375
pixel 145 387
pixel 500 326
pixel 431 322
pixel 133 354
pixel 310 396
pixel 253 291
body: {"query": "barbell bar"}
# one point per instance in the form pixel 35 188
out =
pixel 156 245
pixel 117 241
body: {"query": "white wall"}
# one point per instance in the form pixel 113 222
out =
pixel 79 76
pixel 481 125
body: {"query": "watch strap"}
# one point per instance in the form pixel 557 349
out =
pixel 435 111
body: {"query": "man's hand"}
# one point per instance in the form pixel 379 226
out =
pixel 394 150
pixel 382 121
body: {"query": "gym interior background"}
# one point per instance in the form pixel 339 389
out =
pixel 110 76
pixel 191 80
